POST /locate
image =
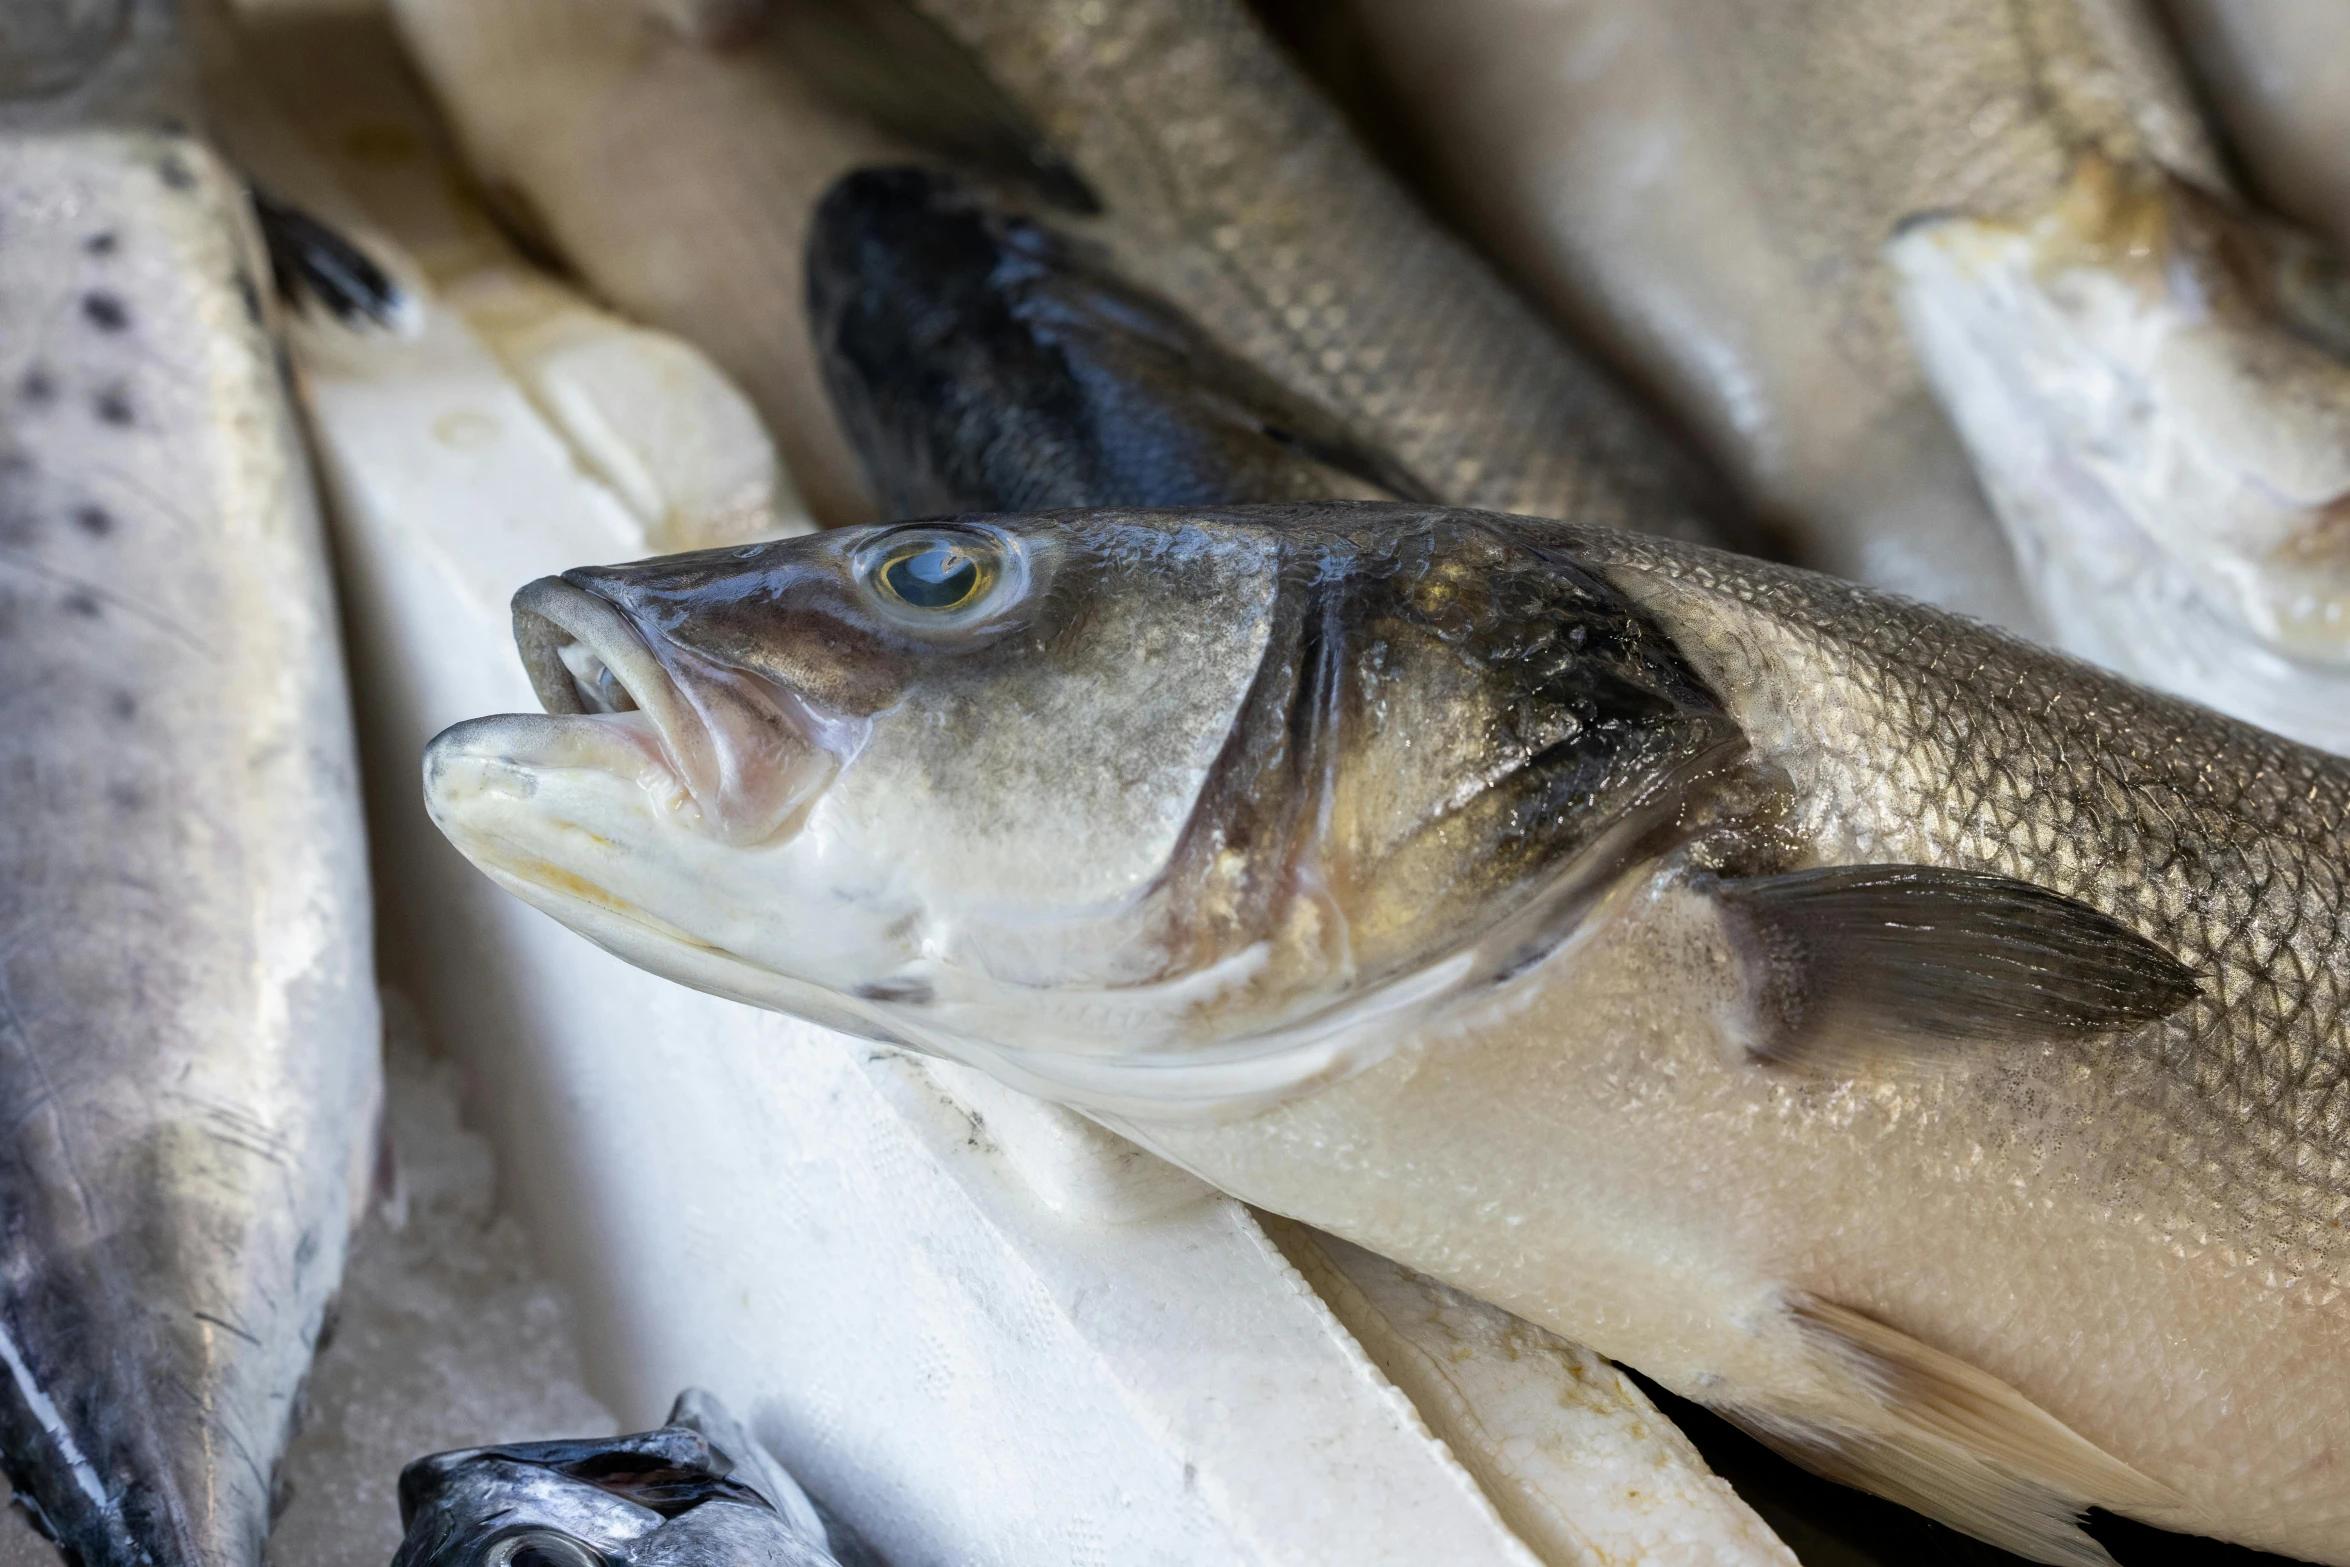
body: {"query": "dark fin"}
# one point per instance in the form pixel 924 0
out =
pixel 1852 962
pixel 886 61
pixel 312 264
pixel 1928 1430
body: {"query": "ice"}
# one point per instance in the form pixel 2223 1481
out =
pixel 448 1334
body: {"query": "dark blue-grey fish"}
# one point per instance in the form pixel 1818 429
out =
pixel 980 359
pixel 699 1492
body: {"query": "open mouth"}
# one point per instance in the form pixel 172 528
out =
pixel 747 756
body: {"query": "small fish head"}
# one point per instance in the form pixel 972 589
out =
pixel 2155 386
pixel 666 1498
pixel 1114 804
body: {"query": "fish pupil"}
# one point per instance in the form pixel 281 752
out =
pixel 938 576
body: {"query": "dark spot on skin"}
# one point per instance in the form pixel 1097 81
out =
pixel 96 521
pixel 105 311
pixel 38 386
pixel 82 603
pixel 125 796
pixel 176 174
pixel 123 705
pixel 113 405
pixel 102 243
pixel 910 992
pixel 250 296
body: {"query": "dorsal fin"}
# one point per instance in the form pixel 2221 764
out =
pixel 1928 1430
pixel 1853 962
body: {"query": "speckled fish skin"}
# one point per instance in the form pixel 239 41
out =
pixel 1385 867
pixel 1232 189
pixel 1702 187
pixel 188 1025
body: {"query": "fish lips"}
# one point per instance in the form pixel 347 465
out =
pixel 750 753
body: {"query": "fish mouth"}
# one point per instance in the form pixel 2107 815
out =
pixel 727 752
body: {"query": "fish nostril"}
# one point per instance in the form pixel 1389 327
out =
pixel 600 690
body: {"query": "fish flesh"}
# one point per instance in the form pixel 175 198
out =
pixel 698 1492
pixel 1922 1048
pixel 1702 188
pixel 980 360
pixel 187 996
pixel 2272 71
pixel 2155 385
pixel 1232 190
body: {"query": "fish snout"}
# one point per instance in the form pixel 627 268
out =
pixel 750 752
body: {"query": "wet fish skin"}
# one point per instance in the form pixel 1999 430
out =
pixel 190 1067
pixel 1233 191
pixel 1701 188
pixel 1502 896
pixel 982 361
pixel 699 1492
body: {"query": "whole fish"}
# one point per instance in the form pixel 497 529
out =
pixel 2272 70
pixel 1922 1048
pixel 699 1492
pixel 2155 384
pixel 1703 188
pixel 188 1027
pixel 980 360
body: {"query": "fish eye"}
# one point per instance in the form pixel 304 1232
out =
pixel 937 576
pixel 541 1548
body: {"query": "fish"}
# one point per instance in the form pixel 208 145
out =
pixel 698 1492
pixel 1922 1048
pixel 2154 382
pixel 2268 69
pixel 982 360
pixel 1232 189
pixel 188 1021
pixel 1702 189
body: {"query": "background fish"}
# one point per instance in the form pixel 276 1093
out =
pixel 2155 384
pixel 2271 70
pixel 1231 189
pixel 187 1004
pixel 699 1492
pixel 1916 1046
pixel 1702 187
pixel 980 360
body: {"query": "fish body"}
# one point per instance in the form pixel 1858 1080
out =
pixel 982 361
pixel 190 1068
pixel 1232 190
pixel 1702 188
pixel 699 1492
pixel 2272 72
pixel 1923 1048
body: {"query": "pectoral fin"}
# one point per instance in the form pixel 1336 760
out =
pixel 1933 1433
pixel 1890 962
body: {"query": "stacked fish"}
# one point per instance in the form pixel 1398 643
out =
pixel 1423 750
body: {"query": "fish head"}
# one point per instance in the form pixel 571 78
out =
pixel 680 1496
pixel 1128 807
pixel 2155 387
pixel 984 358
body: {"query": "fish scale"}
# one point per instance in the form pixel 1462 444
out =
pixel 1231 188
